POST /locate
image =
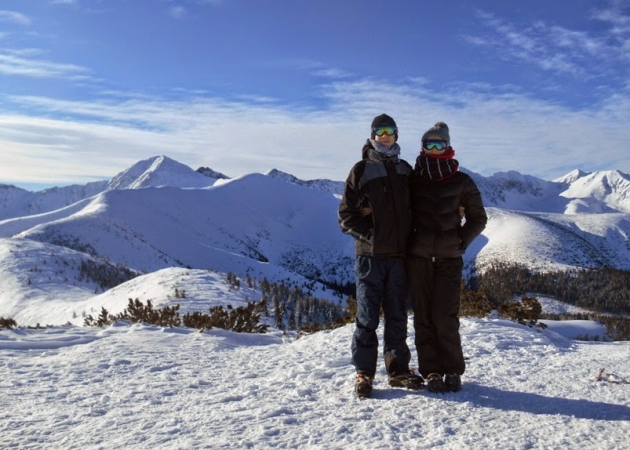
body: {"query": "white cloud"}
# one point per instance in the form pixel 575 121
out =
pixel 23 63
pixel 15 17
pixel 492 128
pixel 555 48
pixel 332 73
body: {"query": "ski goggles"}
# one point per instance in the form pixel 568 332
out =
pixel 435 145
pixel 380 131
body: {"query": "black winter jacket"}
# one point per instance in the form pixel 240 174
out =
pixel 436 223
pixel 382 183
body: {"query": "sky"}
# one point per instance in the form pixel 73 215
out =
pixel 89 87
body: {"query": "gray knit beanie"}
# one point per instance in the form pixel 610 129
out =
pixel 439 129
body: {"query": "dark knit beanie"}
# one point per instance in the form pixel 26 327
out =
pixel 383 121
pixel 439 129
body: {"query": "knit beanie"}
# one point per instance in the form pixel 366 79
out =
pixel 383 121
pixel 439 129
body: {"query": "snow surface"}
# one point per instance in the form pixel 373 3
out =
pixel 139 386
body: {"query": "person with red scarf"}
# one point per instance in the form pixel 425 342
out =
pixel 438 192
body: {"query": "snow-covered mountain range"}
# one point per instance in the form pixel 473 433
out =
pixel 160 213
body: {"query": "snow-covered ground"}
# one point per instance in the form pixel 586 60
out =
pixel 140 387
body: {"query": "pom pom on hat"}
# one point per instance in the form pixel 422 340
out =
pixel 439 129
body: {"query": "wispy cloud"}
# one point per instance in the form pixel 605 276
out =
pixel 332 73
pixel 178 12
pixel 181 12
pixel 619 20
pixel 319 69
pixel 15 17
pixel 24 63
pixel 555 48
pixel 493 129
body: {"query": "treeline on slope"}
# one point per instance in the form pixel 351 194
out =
pixel 288 307
pixel 599 290
pixel 295 310
pixel 105 274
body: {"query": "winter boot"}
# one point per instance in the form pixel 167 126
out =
pixel 363 385
pixel 452 382
pixel 408 379
pixel 435 383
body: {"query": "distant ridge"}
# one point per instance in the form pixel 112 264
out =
pixel 208 172
pixel 334 187
pixel 160 213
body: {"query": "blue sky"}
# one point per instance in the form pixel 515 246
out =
pixel 89 87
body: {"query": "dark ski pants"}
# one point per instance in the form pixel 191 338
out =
pixel 380 282
pixel 435 294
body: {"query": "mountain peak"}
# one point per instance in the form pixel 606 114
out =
pixel 572 176
pixel 602 191
pixel 208 172
pixel 159 171
pixel 275 173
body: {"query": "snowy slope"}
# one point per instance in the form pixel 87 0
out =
pixel 576 192
pixel 153 172
pixel 599 192
pixel 152 217
pixel 138 387
pixel 16 202
pixel 236 226
pixel 214 228
pixel 554 241
pixel 41 283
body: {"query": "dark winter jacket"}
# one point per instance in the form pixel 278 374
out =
pixel 380 183
pixel 436 224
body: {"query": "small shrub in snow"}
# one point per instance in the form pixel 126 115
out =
pixel 525 312
pixel 474 303
pixel 7 323
pixel 137 311
pixel 244 319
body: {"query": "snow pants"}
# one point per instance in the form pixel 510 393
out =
pixel 381 282
pixel 435 295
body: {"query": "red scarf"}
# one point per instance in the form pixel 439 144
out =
pixel 437 167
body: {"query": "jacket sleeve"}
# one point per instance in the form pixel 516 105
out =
pixel 475 214
pixel 351 220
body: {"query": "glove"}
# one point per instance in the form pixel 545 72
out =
pixel 368 237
